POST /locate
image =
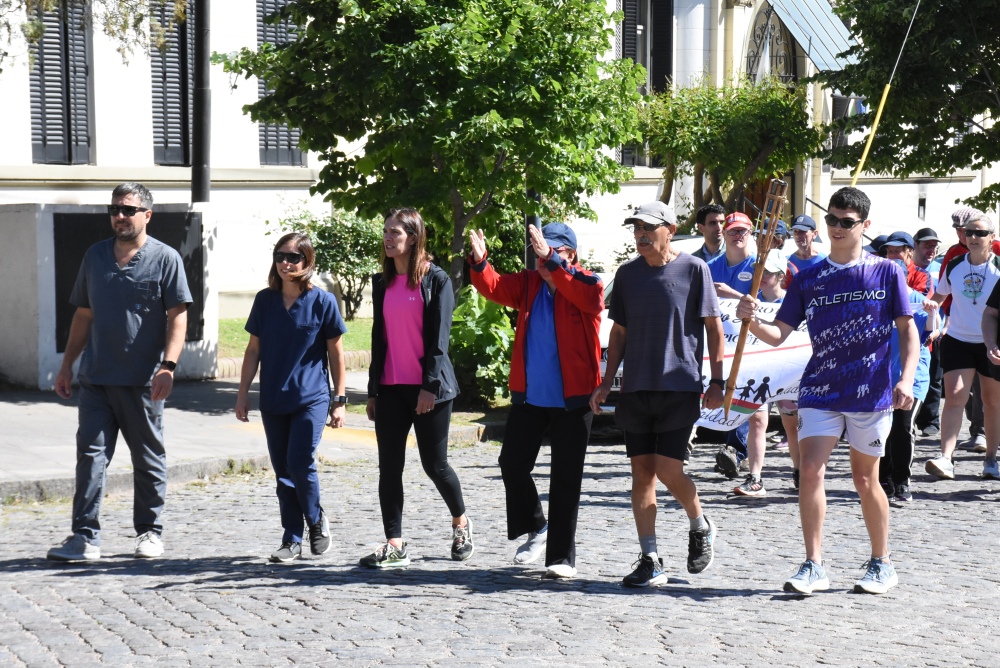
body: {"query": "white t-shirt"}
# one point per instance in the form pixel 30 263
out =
pixel 969 286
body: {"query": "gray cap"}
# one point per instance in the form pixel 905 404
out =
pixel 655 213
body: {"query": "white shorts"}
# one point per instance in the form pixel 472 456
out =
pixel 866 432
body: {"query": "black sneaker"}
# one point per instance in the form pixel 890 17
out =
pixel 752 486
pixel 387 556
pixel 646 574
pixel 319 535
pixel 701 548
pixel 795 478
pixel 902 497
pixel 727 462
pixel 288 552
pixel 461 541
pixel 888 488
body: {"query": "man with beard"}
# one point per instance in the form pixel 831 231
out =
pixel 131 298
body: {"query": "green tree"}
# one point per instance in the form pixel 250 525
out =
pixel 729 136
pixel 939 116
pixel 348 247
pixel 128 22
pixel 458 106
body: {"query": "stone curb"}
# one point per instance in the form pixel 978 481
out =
pixel 177 474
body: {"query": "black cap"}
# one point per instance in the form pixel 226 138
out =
pixel 925 233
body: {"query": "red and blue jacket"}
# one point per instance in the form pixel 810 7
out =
pixel 579 301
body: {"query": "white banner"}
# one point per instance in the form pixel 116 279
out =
pixel 766 373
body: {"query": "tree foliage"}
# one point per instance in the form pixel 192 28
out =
pixel 729 136
pixel 458 106
pixel 348 247
pixel 129 23
pixel 481 339
pixel 940 113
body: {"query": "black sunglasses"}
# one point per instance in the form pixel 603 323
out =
pixel 978 233
pixel 129 211
pixel 645 227
pixel 844 223
pixel 290 258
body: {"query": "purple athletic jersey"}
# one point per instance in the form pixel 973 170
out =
pixel 849 311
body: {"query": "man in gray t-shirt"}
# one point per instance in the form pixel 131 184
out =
pixel 663 304
pixel 131 299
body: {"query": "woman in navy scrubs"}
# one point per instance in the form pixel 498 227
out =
pixel 411 382
pixel 295 328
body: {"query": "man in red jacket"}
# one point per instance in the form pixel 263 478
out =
pixel 554 368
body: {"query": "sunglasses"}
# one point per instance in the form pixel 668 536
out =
pixel 290 258
pixel 978 233
pixel 738 232
pixel 844 223
pixel 645 227
pixel 128 211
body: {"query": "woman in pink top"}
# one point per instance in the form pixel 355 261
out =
pixel 411 382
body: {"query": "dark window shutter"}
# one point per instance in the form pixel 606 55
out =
pixel 60 87
pixel 279 144
pixel 661 61
pixel 173 89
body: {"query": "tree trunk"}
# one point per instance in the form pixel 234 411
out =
pixel 668 180
pixel 699 179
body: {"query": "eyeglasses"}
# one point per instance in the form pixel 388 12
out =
pixel 978 233
pixel 844 223
pixel 738 232
pixel 645 227
pixel 128 211
pixel 290 258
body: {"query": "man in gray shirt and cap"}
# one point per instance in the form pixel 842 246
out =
pixel 663 305
pixel 131 299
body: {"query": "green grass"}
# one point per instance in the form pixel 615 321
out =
pixel 233 338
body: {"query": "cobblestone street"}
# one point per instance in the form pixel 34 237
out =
pixel 214 599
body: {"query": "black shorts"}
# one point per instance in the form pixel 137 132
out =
pixel 654 421
pixel 957 355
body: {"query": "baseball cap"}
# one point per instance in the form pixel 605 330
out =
pixel 656 213
pixel 775 262
pixel 876 244
pixel 899 239
pixel 738 219
pixel 803 222
pixel 925 234
pixel 559 235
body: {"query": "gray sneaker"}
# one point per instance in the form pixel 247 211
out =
pixel 941 467
pixel 975 443
pixel 879 577
pixel 990 469
pixel 287 553
pixel 387 556
pixel 148 546
pixel 461 541
pixel 811 577
pixel 533 548
pixel 74 548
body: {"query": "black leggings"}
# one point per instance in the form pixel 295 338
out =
pixel 395 412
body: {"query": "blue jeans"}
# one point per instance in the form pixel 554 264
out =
pixel 292 439
pixel 104 411
pixel 737 438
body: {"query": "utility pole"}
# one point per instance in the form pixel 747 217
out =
pixel 201 179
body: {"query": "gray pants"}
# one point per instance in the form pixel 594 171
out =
pixel 104 411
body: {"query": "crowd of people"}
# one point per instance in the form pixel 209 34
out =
pixel 882 357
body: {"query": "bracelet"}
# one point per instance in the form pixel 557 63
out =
pixel 718 381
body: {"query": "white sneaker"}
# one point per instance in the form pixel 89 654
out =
pixel 560 571
pixel 148 546
pixel 976 443
pixel 533 548
pixel 74 548
pixel 941 467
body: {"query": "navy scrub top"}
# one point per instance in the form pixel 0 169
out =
pixel 293 348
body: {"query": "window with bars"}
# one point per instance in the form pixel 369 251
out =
pixel 645 36
pixel 279 144
pixel 60 88
pixel 173 87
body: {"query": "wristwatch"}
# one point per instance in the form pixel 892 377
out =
pixel 718 381
pixel 342 400
pixel 168 365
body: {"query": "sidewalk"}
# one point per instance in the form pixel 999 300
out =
pixel 203 437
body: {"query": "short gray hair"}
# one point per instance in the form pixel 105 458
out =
pixel 980 217
pixel 140 191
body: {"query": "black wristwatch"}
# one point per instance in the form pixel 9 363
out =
pixel 168 365
pixel 718 381
pixel 342 400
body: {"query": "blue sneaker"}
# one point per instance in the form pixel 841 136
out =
pixel 811 577
pixel 878 579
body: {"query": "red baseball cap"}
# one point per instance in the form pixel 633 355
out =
pixel 738 219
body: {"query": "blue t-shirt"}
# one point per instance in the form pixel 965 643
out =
pixel 293 349
pixel 922 378
pixel 739 277
pixel 541 358
pixel 849 311
pixel 801 264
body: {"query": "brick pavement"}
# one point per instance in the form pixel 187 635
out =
pixel 214 600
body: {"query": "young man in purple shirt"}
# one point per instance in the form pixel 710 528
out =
pixel 850 303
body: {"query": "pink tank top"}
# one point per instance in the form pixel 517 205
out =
pixel 403 310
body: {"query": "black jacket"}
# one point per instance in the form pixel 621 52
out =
pixel 439 302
